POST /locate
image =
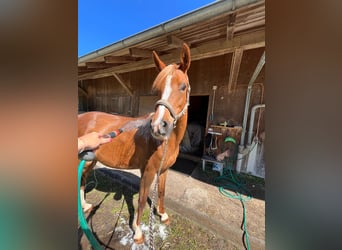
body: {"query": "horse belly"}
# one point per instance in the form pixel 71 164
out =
pixel 122 156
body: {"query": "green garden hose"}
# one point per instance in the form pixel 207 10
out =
pixel 228 181
pixel 83 223
pixel 89 155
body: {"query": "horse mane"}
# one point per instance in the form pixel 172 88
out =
pixel 168 70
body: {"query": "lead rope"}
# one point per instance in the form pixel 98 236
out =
pixel 151 217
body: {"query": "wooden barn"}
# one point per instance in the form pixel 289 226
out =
pixel 227 42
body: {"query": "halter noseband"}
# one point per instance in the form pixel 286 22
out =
pixel 167 105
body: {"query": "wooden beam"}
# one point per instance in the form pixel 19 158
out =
pixel 83 90
pixel 230 32
pixel 174 42
pixel 234 69
pixel 119 59
pixel 123 84
pixel 97 65
pixel 210 49
pixel 231 26
pixel 136 52
pixel 84 69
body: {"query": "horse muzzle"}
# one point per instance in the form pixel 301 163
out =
pixel 161 130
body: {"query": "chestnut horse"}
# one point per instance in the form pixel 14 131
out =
pixel 142 147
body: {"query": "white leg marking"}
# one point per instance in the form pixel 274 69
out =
pixel 82 196
pixel 164 216
pixel 86 206
pixel 137 231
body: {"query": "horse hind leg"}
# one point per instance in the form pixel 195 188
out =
pixel 161 194
pixel 87 168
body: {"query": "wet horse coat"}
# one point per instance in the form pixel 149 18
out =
pixel 142 146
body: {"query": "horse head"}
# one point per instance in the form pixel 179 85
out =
pixel 172 84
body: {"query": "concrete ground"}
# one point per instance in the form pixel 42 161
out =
pixel 191 193
pixel 202 202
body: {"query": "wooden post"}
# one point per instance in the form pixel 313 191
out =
pixel 234 69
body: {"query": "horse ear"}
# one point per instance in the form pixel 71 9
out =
pixel 185 58
pixel 159 64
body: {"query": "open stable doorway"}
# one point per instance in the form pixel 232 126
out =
pixel 193 140
pixel 198 109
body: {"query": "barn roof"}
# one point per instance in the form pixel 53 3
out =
pixel 213 30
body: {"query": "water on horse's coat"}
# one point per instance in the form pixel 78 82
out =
pixel 135 124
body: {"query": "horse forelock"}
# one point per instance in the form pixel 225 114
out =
pixel 160 80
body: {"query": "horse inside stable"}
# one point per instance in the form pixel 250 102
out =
pixel 150 142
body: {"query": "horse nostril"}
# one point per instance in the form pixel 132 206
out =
pixel 164 124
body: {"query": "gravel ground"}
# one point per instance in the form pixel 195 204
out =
pixel 115 198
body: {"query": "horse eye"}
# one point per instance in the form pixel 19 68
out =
pixel 182 87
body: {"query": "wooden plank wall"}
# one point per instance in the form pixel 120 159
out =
pixel 107 94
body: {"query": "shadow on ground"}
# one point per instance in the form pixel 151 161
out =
pixel 114 194
pixel 243 183
pixel 123 186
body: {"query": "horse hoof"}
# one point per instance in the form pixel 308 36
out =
pixel 87 208
pixel 139 240
pixel 166 222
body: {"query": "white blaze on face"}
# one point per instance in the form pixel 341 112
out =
pixel 165 96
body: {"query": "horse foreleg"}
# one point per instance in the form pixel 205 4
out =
pixel 145 184
pixel 161 194
pixel 87 167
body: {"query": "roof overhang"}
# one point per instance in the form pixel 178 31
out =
pixel 212 30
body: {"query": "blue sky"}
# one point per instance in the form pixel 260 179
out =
pixel 103 22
